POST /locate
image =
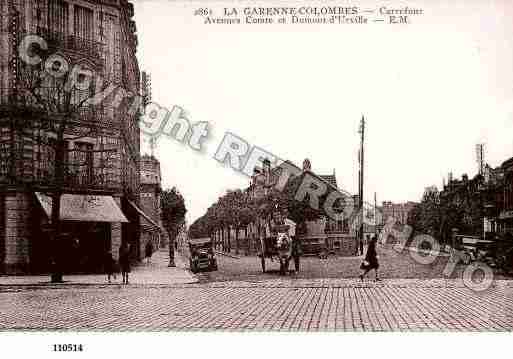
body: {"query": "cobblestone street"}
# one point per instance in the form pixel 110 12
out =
pixel 305 305
pixel 393 265
pixel 240 297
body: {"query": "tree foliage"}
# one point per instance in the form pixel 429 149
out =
pixel 458 208
pixel 173 211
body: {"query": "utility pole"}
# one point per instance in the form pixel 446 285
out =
pixel 361 176
pixel 375 216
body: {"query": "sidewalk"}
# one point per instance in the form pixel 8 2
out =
pixel 156 273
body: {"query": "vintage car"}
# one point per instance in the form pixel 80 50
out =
pixel 496 250
pixel 202 256
pixel 472 248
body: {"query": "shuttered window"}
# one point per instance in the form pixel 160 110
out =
pixel 58 16
pixel 83 23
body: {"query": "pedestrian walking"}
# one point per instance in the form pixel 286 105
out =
pixel 109 266
pixel 362 244
pixel 124 261
pixel 371 259
pixel 148 251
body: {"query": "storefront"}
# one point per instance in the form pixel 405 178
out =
pixel 91 227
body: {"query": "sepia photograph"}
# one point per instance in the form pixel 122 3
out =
pixel 254 166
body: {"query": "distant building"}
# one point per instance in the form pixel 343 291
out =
pixel 398 211
pixel 325 234
pixel 486 200
pixel 504 198
pixel 150 209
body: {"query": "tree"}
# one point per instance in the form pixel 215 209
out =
pixel 52 105
pixel 173 217
pixel 459 206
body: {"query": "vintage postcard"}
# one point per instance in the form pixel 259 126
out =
pixel 256 166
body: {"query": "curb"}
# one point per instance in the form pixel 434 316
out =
pixel 227 255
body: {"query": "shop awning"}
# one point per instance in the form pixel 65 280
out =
pixel 84 208
pixel 146 217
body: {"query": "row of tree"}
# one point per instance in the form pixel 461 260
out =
pixel 238 210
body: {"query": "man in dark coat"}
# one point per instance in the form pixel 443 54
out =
pixel 148 252
pixel 371 259
pixel 109 265
pixel 124 261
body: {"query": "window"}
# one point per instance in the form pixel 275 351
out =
pixel 83 23
pixel 58 16
pixel 82 165
pixel 46 159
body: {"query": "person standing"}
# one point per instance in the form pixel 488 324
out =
pixel 124 261
pixel 148 251
pixel 362 244
pixel 109 266
pixel 371 260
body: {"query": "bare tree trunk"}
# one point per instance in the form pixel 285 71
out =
pixel 229 239
pixel 56 240
pixel 171 250
pixel 246 239
pixel 237 240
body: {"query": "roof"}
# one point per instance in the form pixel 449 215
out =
pixel 331 179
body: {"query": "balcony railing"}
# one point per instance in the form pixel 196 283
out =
pixel 70 42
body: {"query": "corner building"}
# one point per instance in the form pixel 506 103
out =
pixel 102 175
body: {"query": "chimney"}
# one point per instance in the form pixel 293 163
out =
pixel 267 166
pixel 307 165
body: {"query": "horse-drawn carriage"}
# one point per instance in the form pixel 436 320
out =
pixel 280 243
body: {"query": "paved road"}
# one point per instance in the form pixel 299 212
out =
pixel 306 305
pixel 393 265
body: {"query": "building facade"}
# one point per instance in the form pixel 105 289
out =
pixel 398 211
pixel 96 144
pixel 486 201
pixel 151 214
pixel 324 235
pixel 504 199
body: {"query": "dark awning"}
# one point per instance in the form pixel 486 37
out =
pixel 146 217
pixel 84 208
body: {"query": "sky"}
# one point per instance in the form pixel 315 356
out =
pixel 429 90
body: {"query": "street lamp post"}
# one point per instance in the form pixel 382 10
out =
pixel 361 179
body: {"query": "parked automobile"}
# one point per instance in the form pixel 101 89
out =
pixel 496 250
pixel 473 248
pixel 202 255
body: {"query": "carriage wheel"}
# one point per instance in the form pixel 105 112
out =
pixel 262 261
